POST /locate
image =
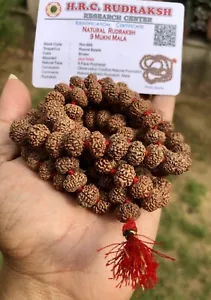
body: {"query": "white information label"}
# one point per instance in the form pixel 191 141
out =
pixel 136 42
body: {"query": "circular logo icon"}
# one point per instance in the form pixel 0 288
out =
pixel 53 9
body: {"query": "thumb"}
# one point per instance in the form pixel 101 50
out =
pixel 15 100
pixel 14 103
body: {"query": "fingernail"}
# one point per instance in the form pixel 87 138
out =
pixel 12 76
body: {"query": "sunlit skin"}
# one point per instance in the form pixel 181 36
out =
pixel 48 242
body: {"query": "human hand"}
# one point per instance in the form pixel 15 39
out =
pixel 49 243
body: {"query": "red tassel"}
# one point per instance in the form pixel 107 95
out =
pixel 133 263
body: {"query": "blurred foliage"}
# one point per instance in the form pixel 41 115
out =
pixel 9 29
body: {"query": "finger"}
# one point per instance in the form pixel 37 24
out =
pixel 165 104
pixel 14 103
pixel 15 100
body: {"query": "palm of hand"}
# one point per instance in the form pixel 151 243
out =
pixel 46 235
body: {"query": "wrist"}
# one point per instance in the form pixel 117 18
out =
pixel 24 287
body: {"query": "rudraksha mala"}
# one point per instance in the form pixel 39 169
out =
pixel 105 144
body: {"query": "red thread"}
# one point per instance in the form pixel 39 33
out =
pixel 107 143
pixel 133 100
pixel 98 200
pixel 71 86
pixel 135 180
pixel 71 172
pixel 113 171
pixel 99 81
pixel 133 262
pixel 146 153
pixel 86 92
pixel 129 141
pixel 73 103
pixel 40 163
pixel 80 189
pixel 128 201
pixel 86 144
pixel 164 159
pixel 148 112
pixel 155 127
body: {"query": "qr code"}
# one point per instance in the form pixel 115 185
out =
pixel 165 35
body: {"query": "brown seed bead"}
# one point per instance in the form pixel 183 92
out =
pixel 55 96
pixel 74 182
pixel 78 96
pixel 64 89
pixel 153 202
pixel 74 144
pixel 115 122
pixel 151 119
pixel 105 182
pixel 95 95
pixel 143 171
pixel 18 130
pixel 118 195
pixel 165 187
pixel 53 116
pixel 54 144
pixel 90 119
pixel 142 188
pixel 85 133
pixel 138 107
pixel 155 155
pixel 65 164
pixel 50 106
pixel 122 161
pixel 154 136
pixel 137 96
pixel 136 153
pixel 103 205
pixel 176 163
pixel 166 127
pixel 46 170
pixel 25 151
pixel 74 112
pixel 105 81
pixel 127 211
pixel 58 181
pixel 128 132
pixel 89 196
pixel 135 122
pixel 33 116
pixel 105 166
pixel 111 92
pixel 92 173
pixel 102 118
pixel 90 80
pixel 118 146
pixel 126 98
pixel 181 147
pixel 124 175
pixel 97 144
pixel 64 124
pixel 33 161
pixel 77 82
pixel 174 138
pixel 122 86
pixel 38 134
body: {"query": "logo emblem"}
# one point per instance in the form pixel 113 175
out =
pixel 53 9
